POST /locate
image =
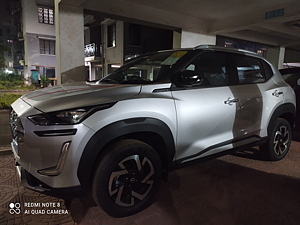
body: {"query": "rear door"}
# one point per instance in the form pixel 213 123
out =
pixel 206 112
pixel 255 92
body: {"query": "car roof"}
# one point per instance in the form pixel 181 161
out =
pixel 215 48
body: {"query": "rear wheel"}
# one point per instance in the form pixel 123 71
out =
pixel 127 178
pixel 279 141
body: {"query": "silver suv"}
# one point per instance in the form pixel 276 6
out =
pixel 119 136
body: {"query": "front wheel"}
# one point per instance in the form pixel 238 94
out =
pixel 279 141
pixel 127 178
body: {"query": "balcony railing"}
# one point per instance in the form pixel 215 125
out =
pixel 92 50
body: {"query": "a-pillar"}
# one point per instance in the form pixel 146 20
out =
pixel 69 29
pixel 192 39
pixel 276 56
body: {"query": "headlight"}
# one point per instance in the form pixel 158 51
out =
pixel 71 116
pixel 66 117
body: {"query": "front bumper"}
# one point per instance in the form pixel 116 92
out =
pixel 47 155
pixel 29 181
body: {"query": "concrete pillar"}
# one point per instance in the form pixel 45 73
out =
pixel 90 71
pixel 93 69
pixel 176 39
pixel 69 29
pixel 191 39
pixel 276 56
pixel 281 57
pixel 27 75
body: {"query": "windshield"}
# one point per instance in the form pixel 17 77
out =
pixel 145 69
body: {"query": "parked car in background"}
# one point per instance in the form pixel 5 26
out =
pixel 119 136
pixel 292 77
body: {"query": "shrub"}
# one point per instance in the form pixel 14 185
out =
pixel 11 77
pixel 45 81
pixel 9 81
pixel 13 81
pixel 7 99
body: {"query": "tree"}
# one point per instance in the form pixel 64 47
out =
pixel 3 48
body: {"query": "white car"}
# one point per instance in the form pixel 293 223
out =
pixel 120 136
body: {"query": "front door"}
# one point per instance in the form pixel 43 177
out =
pixel 206 112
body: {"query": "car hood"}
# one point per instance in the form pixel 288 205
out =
pixel 79 94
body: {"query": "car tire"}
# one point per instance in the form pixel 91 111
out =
pixel 127 178
pixel 279 141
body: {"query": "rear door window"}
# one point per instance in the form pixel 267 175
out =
pixel 250 69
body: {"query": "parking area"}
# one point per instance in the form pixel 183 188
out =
pixel 233 189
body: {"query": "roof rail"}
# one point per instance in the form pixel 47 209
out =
pixel 214 47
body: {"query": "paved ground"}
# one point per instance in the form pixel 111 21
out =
pixel 5 135
pixel 234 189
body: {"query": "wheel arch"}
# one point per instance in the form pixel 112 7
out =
pixel 286 111
pixel 149 130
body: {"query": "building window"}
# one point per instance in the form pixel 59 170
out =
pixel 47 71
pixel 111 35
pixel 47 47
pixel 46 15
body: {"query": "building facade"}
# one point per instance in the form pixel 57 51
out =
pixel 109 43
pixel 38 31
pixel 71 42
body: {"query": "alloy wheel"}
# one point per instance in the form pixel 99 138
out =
pixel 131 180
pixel 281 140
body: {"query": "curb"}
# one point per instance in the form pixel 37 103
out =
pixel 6 148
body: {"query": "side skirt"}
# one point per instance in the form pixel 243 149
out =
pixel 177 164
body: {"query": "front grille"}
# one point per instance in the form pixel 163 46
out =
pixel 15 125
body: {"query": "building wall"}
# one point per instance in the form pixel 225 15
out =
pixel 33 51
pixel 30 17
pixel 191 39
pixel 114 55
pixel 33 31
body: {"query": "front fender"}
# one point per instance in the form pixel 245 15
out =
pixel 104 136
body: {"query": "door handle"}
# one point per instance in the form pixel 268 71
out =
pixel 230 101
pixel 277 93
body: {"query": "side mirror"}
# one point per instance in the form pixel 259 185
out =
pixel 189 78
